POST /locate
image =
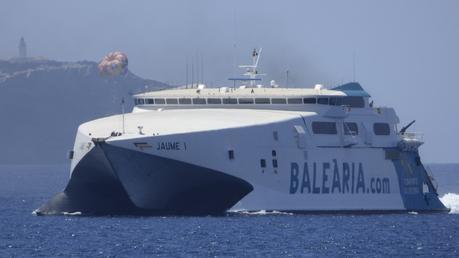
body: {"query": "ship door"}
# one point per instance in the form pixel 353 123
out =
pixel 368 134
pixel 349 133
pixel 300 136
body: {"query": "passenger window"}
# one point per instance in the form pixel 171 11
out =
pixel 274 163
pixel 323 101
pixel 229 101
pixel 214 101
pixel 245 101
pixel 295 101
pixel 278 101
pixel 199 101
pixel 309 100
pixel 276 135
pixel 150 101
pixel 141 101
pixel 350 128
pixel 231 154
pixel 262 163
pixel 324 128
pixel 184 101
pixel 160 101
pixel 381 129
pixel 262 101
pixel 171 101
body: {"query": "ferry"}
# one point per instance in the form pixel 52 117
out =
pixel 197 150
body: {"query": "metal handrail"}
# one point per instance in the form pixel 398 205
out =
pixel 412 136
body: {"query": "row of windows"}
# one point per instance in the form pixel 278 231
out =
pixel 349 128
pixel 350 101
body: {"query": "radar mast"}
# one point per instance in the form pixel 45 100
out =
pixel 251 71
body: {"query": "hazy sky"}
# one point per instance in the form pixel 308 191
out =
pixel 406 52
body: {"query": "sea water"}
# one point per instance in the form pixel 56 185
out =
pixel 24 188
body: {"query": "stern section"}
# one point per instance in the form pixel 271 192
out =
pixel 416 188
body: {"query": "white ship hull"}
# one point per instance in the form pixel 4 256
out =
pixel 216 160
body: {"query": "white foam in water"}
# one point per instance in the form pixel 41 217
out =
pixel 37 212
pixel 261 212
pixel 451 200
pixel 76 213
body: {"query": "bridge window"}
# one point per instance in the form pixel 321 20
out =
pixel 229 101
pixel 310 100
pixel 351 128
pixel 295 101
pixel 381 129
pixel 184 101
pixel 262 101
pixel 171 101
pixel 245 101
pixel 335 101
pixel 199 101
pixel 324 128
pixel 141 101
pixel 353 101
pixel 350 101
pixel 160 101
pixel 278 101
pixel 323 101
pixel 150 101
pixel 214 101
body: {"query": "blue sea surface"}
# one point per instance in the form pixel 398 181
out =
pixel 24 188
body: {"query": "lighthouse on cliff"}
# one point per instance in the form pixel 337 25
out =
pixel 22 48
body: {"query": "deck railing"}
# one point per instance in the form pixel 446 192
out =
pixel 412 136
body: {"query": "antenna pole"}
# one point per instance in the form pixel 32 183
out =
pixel 192 73
pixel 202 68
pixel 286 81
pixel 122 111
pixel 197 69
pixel 353 67
pixel 186 74
pixel 234 43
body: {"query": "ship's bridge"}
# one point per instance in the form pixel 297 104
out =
pixel 351 95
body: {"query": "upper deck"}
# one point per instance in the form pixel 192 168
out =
pixel 240 92
pixel 350 95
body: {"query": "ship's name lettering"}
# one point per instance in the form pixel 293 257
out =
pixel 168 146
pixel 334 178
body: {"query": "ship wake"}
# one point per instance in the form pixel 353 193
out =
pixel 451 200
